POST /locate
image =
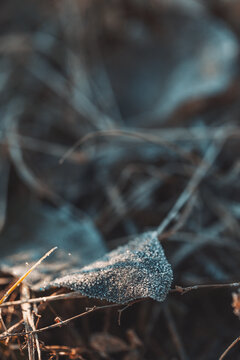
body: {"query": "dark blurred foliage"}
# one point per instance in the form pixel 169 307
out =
pixel 147 87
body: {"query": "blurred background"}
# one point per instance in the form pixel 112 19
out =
pixel 145 87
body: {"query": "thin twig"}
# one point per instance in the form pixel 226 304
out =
pixel 184 290
pixel 13 327
pixel 71 295
pixel 230 347
pixel 124 308
pixel 61 323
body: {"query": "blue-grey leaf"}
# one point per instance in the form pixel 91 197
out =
pixel 136 270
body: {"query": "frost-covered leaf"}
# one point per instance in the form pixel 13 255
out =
pixel 136 270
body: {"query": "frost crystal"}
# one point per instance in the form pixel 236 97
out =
pixel 136 270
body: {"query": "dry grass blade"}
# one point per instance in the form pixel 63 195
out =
pixel 19 281
pixel 4 171
pixel 28 317
pixel 16 155
pixel 151 138
pixel 174 333
pixel 209 158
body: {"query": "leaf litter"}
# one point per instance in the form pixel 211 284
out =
pixel 149 93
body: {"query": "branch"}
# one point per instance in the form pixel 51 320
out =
pixel 184 290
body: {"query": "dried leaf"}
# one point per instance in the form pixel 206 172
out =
pixel 107 344
pixel 133 339
pixel 236 303
pixel 136 270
